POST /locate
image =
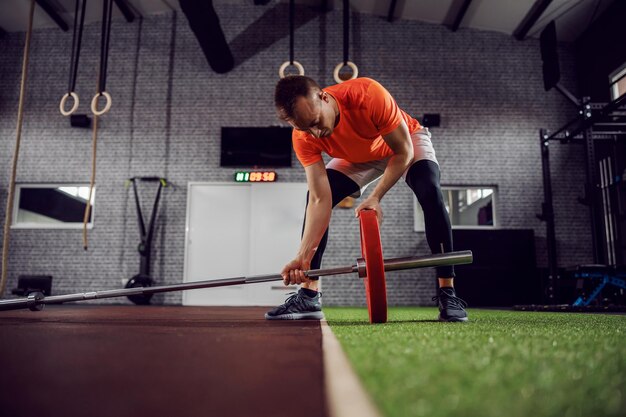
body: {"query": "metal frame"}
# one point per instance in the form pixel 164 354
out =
pixel 146 234
pixel 608 278
pixel 579 130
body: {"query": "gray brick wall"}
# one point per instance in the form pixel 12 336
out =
pixel 168 107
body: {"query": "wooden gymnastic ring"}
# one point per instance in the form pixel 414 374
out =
pixel 352 65
pixel 64 100
pixel 283 67
pixel 94 103
pixel 372 251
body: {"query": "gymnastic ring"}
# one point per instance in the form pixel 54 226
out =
pixel 94 103
pixel 64 100
pixel 352 65
pixel 285 64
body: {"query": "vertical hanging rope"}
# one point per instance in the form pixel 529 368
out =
pixel 20 116
pixel 107 12
pixel 94 147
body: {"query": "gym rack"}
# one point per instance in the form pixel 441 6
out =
pixel 594 122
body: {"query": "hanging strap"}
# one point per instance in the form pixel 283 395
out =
pixel 292 8
pixel 146 236
pixel 300 68
pixel 346 31
pixel 107 9
pixel 346 47
pixel 140 222
pixel 77 38
pixel 153 215
pixel 20 116
pixel 76 41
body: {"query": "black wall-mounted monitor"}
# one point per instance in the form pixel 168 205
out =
pixel 256 147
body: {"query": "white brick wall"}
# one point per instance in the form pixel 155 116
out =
pixel 487 87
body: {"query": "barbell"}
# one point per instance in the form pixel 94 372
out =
pixel 371 267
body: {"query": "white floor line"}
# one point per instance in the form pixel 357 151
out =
pixel 345 395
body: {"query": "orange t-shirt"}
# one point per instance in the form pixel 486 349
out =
pixel 367 112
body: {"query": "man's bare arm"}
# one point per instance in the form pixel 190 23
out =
pixel 318 213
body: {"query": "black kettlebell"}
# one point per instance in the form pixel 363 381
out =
pixel 140 280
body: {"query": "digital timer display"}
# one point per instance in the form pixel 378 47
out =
pixel 255 176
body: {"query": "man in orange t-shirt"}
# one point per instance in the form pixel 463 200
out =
pixel 360 126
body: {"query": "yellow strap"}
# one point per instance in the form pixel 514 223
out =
pixel 94 147
pixel 20 116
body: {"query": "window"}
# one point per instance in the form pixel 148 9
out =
pixel 470 207
pixel 51 206
pixel 618 82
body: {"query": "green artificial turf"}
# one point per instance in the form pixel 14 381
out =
pixel 500 363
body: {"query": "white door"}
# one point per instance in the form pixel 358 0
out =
pixel 236 230
pixel 275 230
pixel 218 223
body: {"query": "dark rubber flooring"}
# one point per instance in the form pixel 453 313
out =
pixel 116 361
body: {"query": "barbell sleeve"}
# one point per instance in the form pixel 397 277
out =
pixel 441 259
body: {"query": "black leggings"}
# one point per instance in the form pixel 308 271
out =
pixel 423 179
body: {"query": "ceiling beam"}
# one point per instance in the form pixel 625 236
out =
pixel 126 10
pixel 531 18
pixel 392 10
pixel 460 14
pixel 47 7
pixel 325 6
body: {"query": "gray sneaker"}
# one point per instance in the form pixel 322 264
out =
pixel 451 307
pixel 298 306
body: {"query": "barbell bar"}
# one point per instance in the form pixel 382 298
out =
pixel 36 301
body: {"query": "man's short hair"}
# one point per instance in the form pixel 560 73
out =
pixel 288 90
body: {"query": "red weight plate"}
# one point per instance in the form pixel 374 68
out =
pixel 372 250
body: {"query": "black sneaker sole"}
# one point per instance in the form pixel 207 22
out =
pixel 453 319
pixel 316 315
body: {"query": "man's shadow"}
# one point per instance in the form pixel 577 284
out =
pixel 365 323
